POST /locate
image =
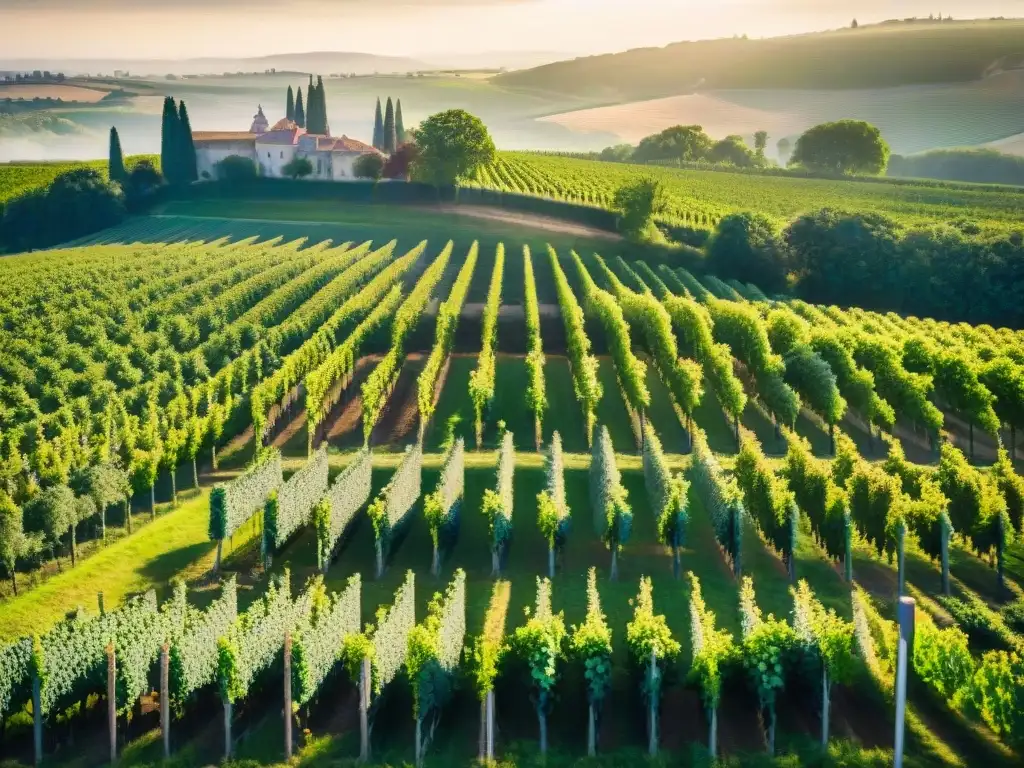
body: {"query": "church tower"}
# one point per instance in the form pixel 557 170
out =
pixel 260 124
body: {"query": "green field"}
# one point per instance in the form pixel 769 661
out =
pixel 701 198
pixel 247 286
pixel 16 178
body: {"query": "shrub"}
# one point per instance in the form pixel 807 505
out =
pixel 369 166
pixel 236 168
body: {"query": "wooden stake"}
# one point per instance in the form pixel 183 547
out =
pixel 165 698
pixel 112 701
pixel 37 718
pixel 364 714
pixel 287 695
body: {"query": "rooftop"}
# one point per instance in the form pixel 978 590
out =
pixel 208 136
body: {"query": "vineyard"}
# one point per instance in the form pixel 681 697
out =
pixel 702 198
pixel 16 178
pixel 454 501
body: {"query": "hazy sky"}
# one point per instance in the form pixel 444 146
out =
pixel 197 28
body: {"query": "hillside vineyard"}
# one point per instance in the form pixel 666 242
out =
pixel 381 421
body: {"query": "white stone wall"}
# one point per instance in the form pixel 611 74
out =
pixel 344 166
pixel 272 158
pixel 208 156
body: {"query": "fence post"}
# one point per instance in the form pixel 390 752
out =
pixel 652 746
pixel 944 523
pixel 112 701
pixel 905 615
pixel 165 698
pixel 37 717
pixel 364 714
pixel 287 695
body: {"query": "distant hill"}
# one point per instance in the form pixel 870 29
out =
pixel 325 62
pixel 877 56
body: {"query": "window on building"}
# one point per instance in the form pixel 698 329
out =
pixel 282 154
pixel 268 155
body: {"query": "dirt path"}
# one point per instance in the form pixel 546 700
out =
pixel 525 219
pixel 398 424
pixel 343 423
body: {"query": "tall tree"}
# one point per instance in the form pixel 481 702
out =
pixel 451 144
pixel 322 106
pixel 170 146
pixel 187 153
pixel 115 166
pixel 399 124
pixel 390 137
pixel 842 147
pixel 378 128
pixel 300 111
pixel 760 142
pixel 289 109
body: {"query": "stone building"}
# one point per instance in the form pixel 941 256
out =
pixel 271 148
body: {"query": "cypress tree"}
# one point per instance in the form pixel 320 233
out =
pixel 115 167
pixel 322 106
pixel 378 129
pixel 390 137
pixel 314 116
pixel 187 156
pixel 399 124
pixel 300 111
pixel 169 144
pixel 289 110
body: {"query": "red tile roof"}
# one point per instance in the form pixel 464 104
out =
pixel 284 124
pixel 344 144
pixel 290 136
pixel 207 136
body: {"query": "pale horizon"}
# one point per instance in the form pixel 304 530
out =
pixel 139 29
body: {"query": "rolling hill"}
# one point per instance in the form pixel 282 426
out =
pixel 879 56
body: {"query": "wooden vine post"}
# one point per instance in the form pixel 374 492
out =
pixel 287 695
pixel 944 529
pixel 365 680
pixel 165 698
pixel 227 725
pixel 489 704
pixel 652 708
pixel 37 717
pixel 112 700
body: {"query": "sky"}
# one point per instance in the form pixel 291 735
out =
pixel 177 29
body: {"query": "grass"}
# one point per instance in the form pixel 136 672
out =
pixel 175 545
pixel 362 221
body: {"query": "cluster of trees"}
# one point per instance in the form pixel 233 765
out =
pixel 690 144
pixel 76 203
pixel 834 149
pixel 830 256
pixel 983 166
pixel 841 148
pixel 177 150
pixel 389 127
pixel 313 114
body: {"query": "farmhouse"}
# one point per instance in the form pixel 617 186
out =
pixel 271 148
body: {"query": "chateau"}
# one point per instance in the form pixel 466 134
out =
pixel 271 148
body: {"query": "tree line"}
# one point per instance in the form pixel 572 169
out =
pixel 840 148
pixel 952 271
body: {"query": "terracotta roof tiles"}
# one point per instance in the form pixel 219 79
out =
pixel 206 136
